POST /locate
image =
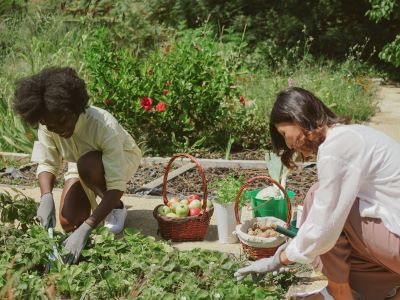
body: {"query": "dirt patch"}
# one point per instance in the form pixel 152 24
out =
pixel 189 182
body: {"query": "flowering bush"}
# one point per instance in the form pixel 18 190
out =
pixel 180 97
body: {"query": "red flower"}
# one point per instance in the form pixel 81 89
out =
pixel 165 92
pixel 146 103
pixel 167 83
pixel 166 49
pixel 107 101
pixel 150 71
pixel 242 100
pixel 161 106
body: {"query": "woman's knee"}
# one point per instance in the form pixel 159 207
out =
pixel 90 166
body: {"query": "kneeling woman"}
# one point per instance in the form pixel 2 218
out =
pixel 101 155
pixel 351 224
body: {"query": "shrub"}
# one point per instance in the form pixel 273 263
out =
pixel 180 97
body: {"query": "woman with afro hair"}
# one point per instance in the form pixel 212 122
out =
pixel 101 155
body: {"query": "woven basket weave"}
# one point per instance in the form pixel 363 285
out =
pixel 257 248
pixel 192 228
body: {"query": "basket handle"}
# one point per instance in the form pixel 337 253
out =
pixel 248 181
pixel 199 168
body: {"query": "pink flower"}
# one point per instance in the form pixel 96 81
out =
pixel 291 82
pixel 242 100
pixel 161 106
pixel 165 92
pixel 146 103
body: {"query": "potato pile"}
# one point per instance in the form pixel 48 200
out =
pixel 262 231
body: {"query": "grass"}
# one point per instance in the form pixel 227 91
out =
pixel 346 93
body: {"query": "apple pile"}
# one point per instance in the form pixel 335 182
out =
pixel 262 231
pixel 180 208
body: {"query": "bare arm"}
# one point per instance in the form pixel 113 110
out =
pixel 46 182
pixel 109 201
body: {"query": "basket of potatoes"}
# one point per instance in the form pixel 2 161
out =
pixel 256 235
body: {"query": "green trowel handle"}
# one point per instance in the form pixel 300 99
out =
pixel 283 230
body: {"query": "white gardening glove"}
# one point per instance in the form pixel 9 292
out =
pixel 76 242
pixel 46 212
pixel 260 267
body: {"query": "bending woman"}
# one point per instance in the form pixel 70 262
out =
pixel 102 156
pixel 352 215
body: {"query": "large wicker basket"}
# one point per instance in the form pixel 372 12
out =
pixel 255 247
pixel 192 228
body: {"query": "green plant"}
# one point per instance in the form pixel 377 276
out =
pixel 17 207
pixel 227 189
pixel 178 98
pixel 133 267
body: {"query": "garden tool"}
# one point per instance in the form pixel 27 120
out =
pixel 54 255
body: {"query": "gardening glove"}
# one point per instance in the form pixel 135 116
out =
pixel 261 267
pixel 46 212
pixel 76 242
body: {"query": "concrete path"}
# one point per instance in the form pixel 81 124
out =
pixel 387 119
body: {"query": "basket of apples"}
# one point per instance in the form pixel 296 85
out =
pixel 187 218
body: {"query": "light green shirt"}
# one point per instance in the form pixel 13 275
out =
pixel 95 130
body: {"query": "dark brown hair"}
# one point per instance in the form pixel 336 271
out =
pixel 299 106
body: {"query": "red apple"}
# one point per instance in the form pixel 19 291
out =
pixel 195 211
pixel 193 197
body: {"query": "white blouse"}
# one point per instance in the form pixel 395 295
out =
pixel 353 161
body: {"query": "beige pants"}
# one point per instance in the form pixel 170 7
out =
pixel 366 255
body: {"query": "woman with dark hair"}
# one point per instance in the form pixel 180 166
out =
pixel 101 155
pixel 351 221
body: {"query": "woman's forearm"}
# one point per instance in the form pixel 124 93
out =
pixel 46 182
pixel 109 201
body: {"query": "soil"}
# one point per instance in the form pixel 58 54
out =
pixel 299 181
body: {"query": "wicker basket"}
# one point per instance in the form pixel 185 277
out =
pixel 192 228
pixel 256 248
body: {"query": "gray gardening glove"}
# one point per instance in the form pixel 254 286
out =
pixel 259 268
pixel 76 242
pixel 46 212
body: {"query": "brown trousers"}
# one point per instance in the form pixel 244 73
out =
pixel 366 254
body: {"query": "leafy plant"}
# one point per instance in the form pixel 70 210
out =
pixel 179 97
pixel 17 207
pixel 227 189
pixel 133 267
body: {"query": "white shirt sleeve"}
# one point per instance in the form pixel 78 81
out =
pixel 340 177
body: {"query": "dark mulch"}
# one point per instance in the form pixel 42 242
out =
pixel 298 181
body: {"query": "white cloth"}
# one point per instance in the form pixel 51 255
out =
pixel 353 161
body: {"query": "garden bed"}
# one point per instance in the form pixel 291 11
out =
pixel 188 182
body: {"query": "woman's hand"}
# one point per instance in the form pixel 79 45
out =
pixel 260 267
pixel 46 212
pixel 76 242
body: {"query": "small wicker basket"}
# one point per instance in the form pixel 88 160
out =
pixel 257 247
pixel 192 228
